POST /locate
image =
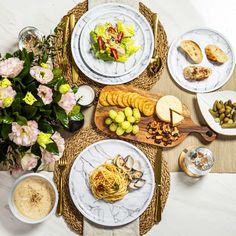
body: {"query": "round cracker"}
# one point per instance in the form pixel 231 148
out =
pixel 126 99
pixel 115 96
pixel 148 108
pixel 134 97
pixel 109 98
pixel 120 99
pixel 138 101
pixel 103 99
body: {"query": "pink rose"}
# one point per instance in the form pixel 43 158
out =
pixel 11 67
pixel 29 161
pixel 67 101
pixel 42 75
pixel 48 157
pixel 45 93
pixel 25 135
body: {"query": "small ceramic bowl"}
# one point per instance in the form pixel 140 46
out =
pixel 13 207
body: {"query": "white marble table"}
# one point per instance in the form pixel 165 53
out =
pixel 205 207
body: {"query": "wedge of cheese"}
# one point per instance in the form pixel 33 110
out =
pixel 169 109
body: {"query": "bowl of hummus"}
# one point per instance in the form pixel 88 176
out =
pixel 33 198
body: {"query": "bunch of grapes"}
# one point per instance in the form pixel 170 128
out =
pixel 124 121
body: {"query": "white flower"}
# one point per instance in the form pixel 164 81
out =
pixel 5 94
pixel 42 75
pixel 11 67
pixel 45 93
pixel 48 157
pixel 67 101
pixel 25 135
pixel 29 161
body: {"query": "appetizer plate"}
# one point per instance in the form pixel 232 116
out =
pixel 99 211
pixel 206 101
pixel 112 68
pixel 177 61
pixel 98 12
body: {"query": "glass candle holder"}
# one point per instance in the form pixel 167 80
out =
pixel 196 162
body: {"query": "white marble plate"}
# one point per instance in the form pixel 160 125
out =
pixel 97 12
pixel 99 211
pixel 177 61
pixel 111 68
pixel 206 101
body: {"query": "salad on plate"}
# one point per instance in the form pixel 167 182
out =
pixel 113 42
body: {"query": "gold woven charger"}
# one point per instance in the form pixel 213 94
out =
pixel 74 145
pixel 144 81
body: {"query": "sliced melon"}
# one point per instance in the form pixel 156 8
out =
pixel 169 104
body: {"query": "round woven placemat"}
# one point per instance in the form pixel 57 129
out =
pixel 144 81
pixel 79 142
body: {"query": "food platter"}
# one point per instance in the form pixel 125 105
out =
pixel 99 211
pixel 97 12
pixel 206 101
pixel 185 128
pixel 221 73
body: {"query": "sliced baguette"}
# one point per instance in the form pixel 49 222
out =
pixel 196 73
pixel 216 54
pixel 193 50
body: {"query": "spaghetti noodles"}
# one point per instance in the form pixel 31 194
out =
pixel 108 182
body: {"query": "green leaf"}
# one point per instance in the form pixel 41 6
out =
pixel 19 80
pixel 8 55
pixel 3 151
pixel 45 126
pixel 77 117
pixel 32 87
pixel 56 96
pixel 21 120
pixel 5 130
pixel 61 115
pixel 29 111
pixel 35 149
pixel 16 105
pixel 52 148
pixel 6 119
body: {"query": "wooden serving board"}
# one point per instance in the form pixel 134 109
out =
pixel 185 128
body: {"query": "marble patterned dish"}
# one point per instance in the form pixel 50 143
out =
pixel 99 211
pixel 97 12
pixel 206 101
pixel 177 61
pixel 112 68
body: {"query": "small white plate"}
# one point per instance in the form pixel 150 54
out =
pixel 97 12
pixel 101 212
pixel 177 61
pixel 111 68
pixel 206 101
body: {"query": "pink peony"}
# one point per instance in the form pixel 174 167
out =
pixel 42 75
pixel 11 67
pixel 67 101
pixel 25 135
pixel 48 157
pixel 29 161
pixel 45 93
pixel 6 93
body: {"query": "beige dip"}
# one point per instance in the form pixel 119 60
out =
pixel 34 198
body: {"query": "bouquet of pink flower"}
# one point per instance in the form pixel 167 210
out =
pixel 35 101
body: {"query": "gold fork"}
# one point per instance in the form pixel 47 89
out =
pixel 61 165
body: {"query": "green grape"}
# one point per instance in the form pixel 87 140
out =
pixel 121 113
pixel 113 127
pixel 135 129
pixel 112 114
pixel 119 119
pixel 108 121
pixel 128 112
pixel 125 125
pixel 131 119
pixel 129 130
pixel 119 131
pixel 136 114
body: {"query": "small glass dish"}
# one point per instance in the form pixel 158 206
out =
pixel 85 95
pixel 28 38
pixel 196 162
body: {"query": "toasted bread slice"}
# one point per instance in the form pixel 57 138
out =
pixel 196 72
pixel 193 50
pixel 216 54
